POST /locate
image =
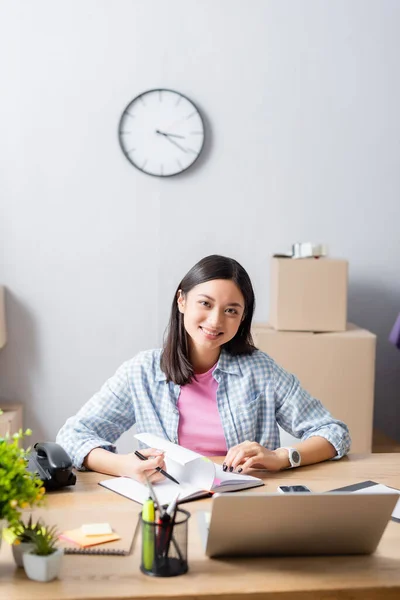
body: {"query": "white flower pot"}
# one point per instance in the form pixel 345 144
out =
pixel 42 568
pixel 18 550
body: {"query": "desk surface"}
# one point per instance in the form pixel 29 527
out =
pixel 371 577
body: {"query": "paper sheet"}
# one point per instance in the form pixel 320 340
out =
pixel 379 488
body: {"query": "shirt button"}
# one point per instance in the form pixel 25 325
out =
pixel 175 440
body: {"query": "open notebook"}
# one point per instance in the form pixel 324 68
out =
pixel 197 476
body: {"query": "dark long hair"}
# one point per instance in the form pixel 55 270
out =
pixel 175 355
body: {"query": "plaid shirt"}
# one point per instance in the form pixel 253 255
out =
pixel 254 395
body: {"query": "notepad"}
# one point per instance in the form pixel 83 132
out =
pixel 198 476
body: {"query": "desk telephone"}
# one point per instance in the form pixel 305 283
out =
pixel 52 464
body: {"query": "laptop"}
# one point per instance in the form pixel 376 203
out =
pixel 245 524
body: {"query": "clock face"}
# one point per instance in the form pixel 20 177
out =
pixel 161 132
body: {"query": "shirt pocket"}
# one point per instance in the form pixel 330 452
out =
pixel 246 419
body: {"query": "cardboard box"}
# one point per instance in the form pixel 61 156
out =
pixel 3 332
pixel 308 294
pixel 336 368
pixel 10 419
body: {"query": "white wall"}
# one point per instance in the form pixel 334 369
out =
pixel 301 104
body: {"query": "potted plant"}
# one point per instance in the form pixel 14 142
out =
pixel 21 538
pixel 19 489
pixel 43 561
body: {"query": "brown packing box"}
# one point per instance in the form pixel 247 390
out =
pixel 308 294
pixel 336 368
pixel 10 419
pixel 3 333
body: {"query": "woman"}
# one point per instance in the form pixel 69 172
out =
pixel 209 389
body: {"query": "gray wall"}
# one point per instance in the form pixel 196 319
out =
pixel 301 101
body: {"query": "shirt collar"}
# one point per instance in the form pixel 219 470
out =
pixel 228 363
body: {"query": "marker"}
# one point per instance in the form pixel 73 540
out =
pixel 148 515
pixel 162 522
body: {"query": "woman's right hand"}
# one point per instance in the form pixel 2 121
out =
pixel 131 466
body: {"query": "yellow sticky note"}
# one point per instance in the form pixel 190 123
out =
pixel 96 529
pixel 77 537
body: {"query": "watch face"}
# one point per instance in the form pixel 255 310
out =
pixel 295 457
pixel 161 132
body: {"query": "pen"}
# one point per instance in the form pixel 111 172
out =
pixel 159 469
pixel 148 516
pixel 172 506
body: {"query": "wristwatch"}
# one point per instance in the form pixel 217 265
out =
pixel 294 457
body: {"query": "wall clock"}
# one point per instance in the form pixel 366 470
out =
pixel 161 132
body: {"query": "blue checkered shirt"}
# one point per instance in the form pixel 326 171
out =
pixel 254 395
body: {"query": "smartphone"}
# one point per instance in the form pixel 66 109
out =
pixel 288 489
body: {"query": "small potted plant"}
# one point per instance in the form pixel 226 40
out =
pixel 20 538
pixel 43 561
pixel 19 489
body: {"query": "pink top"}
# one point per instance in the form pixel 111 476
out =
pixel 200 427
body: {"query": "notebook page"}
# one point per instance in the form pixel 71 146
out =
pixel 225 481
pixel 165 490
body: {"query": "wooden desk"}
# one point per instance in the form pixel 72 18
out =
pixel 374 577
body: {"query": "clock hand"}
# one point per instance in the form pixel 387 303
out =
pixel 173 142
pixel 170 134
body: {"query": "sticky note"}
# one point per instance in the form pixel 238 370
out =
pixel 77 537
pixel 96 529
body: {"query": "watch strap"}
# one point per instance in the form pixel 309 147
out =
pixel 294 457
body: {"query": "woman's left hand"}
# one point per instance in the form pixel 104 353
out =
pixel 250 455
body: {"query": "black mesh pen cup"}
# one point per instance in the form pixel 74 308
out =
pixel 164 545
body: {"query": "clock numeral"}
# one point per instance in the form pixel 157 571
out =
pixel 145 163
pixel 191 150
pixel 124 132
pixel 160 95
pixel 179 163
pixel 128 114
pixel 143 102
pixel 179 99
pixel 196 133
pixel 132 150
pixel 161 169
pixel 191 114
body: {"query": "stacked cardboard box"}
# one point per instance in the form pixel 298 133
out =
pixel 308 336
pixel 10 419
pixel 308 294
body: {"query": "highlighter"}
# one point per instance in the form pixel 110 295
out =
pixel 148 515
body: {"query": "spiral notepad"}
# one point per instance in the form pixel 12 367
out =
pixel 105 551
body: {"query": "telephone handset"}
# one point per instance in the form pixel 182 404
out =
pixel 52 464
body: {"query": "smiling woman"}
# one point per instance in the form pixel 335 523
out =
pixel 212 307
pixel 208 389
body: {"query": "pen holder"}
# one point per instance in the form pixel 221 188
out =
pixel 164 546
